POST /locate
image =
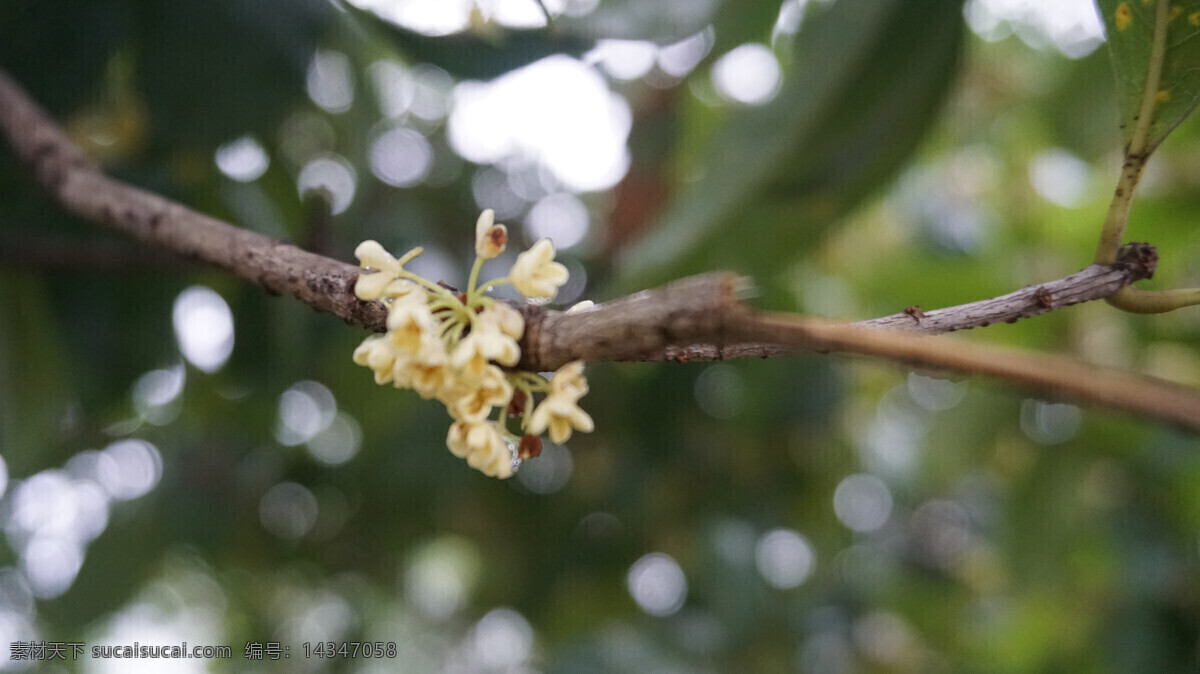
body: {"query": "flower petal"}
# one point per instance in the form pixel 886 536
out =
pixel 535 274
pixel 372 255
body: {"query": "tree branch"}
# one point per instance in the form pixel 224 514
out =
pixel 79 186
pixel 699 318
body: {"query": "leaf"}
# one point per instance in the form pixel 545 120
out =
pixel 213 71
pixel 59 49
pixel 659 22
pixel 1130 25
pixel 867 84
pixel 490 52
pixel 479 55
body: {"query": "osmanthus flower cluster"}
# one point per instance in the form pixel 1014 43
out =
pixel 461 348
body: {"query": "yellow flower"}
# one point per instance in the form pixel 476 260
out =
pixel 536 274
pixel 475 403
pixel 481 444
pixel 510 320
pixel 378 353
pixel 427 370
pixel 409 321
pixel 490 238
pixel 487 342
pixel 569 382
pixel 560 414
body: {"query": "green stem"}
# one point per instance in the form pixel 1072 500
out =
pixel 409 256
pixel 429 285
pixel 1118 211
pixel 1138 150
pixel 534 381
pixel 1154 301
pixel 471 289
pixel 495 282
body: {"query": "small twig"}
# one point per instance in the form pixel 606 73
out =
pixel 1136 261
pixel 1074 379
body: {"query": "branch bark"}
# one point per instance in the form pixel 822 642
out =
pixel 699 318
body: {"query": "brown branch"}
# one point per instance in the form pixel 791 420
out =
pixel 700 318
pixel 79 186
pixel 1136 261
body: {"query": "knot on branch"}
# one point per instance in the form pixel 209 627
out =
pixel 1140 259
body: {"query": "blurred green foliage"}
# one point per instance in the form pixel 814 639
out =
pixel 904 161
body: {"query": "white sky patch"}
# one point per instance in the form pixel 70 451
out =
pixel 503 640
pixel 1060 177
pixel 156 394
pixel 657 584
pixel 784 558
pixel 442 17
pixel 747 74
pixel 333 174
pixel 243 160
pixel 400 157
pixel 431 17
pixel 128 469
pixel 305 409
pixel 561 217
pixel 1071 26
pixel 557 110
pixel 679 58
pixel 330 81
pixel 624 59
pixel 862 502
pixel 204 328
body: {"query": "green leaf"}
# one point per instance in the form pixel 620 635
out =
pixel 477 55
pixel 58 49
pixel 213 71
pixel 867 83
pixel 1131 29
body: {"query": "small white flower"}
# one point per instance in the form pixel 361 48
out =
pixel 559 414
pixel 511 322
pixel 482 445
pixel 490 238
pixel 428 370
pixel 487 342
pixel 373 257
pixel 409 321
pixel 378 353
pixel 481 395
pixel 535 274
pixel 569 382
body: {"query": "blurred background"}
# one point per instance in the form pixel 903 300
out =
pixel 185 458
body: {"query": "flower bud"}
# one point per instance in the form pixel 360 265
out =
pixel 531 446
pixel 490 238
